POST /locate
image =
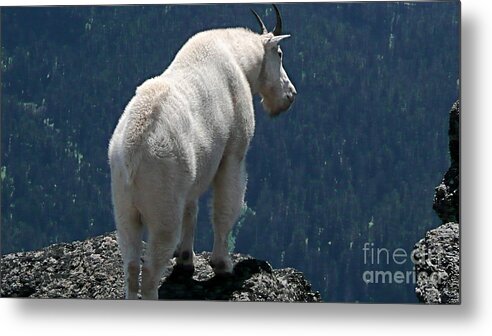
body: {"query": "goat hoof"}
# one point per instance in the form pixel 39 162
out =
pixel 221 268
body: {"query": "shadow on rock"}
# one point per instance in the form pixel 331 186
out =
pixel 180 285
pixel 92 269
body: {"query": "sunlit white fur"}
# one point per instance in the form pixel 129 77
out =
pixel 184 131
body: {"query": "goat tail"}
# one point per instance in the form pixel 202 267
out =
pixel 137 131
pixel 143 113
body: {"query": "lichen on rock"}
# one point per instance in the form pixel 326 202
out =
pixel 438 268
pixel 92 269
pixel 438 254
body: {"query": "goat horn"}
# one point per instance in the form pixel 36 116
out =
pixel 278 27
pixel 262 25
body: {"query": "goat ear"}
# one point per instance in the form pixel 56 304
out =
pixel 274 40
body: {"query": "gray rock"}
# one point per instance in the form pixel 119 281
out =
pixel 438 266
pixel 93 269
pixel 438 254
pixel 447 196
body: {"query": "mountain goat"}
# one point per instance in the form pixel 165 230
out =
pixel 185 130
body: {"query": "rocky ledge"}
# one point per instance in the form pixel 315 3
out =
pixel 439 252
pixel 92 269
pixel 447 196
pixel 439 269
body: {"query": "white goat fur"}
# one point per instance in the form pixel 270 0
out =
pixel 183 131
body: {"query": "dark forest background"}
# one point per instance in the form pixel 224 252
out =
pixel 355 160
